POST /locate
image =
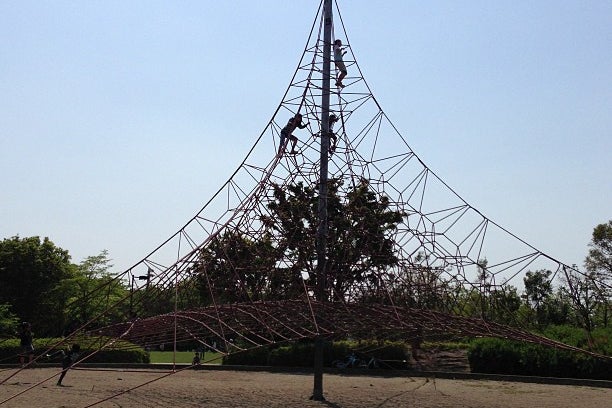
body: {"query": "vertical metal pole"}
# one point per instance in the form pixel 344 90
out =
pixel 131 316
pixel 321 294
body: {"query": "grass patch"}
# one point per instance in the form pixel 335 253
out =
pixel 445 345
pixel 183 357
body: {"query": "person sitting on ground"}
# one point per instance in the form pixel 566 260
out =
pixel 287 133
pixel 338 54
pixel 196 359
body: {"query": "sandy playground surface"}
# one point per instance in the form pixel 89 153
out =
pixel 216 389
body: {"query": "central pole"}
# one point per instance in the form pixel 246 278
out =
pixel 317 393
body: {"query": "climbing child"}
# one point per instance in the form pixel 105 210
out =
pixel 69 358
pixel 338 54
pixel 287 133
pixel 333 139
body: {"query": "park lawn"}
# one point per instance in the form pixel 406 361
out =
pixel 183 357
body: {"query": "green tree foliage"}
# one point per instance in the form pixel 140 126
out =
pixel 500 304
pixel 90 293
pixel 590 293
pixel 421 287
pixel 360 237
pixel 585 294
pixel 233 268
pixel 538 287
pixel 599 264
pixel 360 241
pixel 538 291
pixel 8 322
pixel 293 221
pixel 559 308
pixel 44 288
pixel 599 258
pixel 504 304
pixel 30 269
pixel 484 299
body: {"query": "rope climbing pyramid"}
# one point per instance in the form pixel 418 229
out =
pixel 404 248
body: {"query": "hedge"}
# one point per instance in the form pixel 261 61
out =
pixel 498 356
pixel 301 354
pixel 117 352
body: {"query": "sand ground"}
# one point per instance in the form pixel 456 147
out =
pixel 216 389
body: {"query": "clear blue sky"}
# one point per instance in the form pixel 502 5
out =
pixel 119 119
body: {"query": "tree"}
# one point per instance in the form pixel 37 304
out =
pixel 538 289
pixel 583 291
pixel 30 268
pixel 484 286
pixel 417 284
pixel 599 264
pixel 486 299
pixel 361 224
pixel 360 238
pixel 8 322
pixel 293 225
pixel 233 268
pixel 559 309
pixel 504 305
pixel 89 293
pixel 599 258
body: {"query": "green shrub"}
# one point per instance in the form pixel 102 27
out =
pixel 493 356
pixel 601 338
pixel 257 356
pixel 571 335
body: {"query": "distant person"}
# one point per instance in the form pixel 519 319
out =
pixel 196 359
pixel 352 360
pixel 287 133
pixel 338 54
pixel 26 339
pixel 69 358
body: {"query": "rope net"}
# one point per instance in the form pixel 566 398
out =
pixel 407 257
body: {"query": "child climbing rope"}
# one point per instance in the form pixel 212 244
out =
pixel 287 133
pixel 338 54
pixel 333 139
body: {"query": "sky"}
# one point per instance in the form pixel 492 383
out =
pixel 119 120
